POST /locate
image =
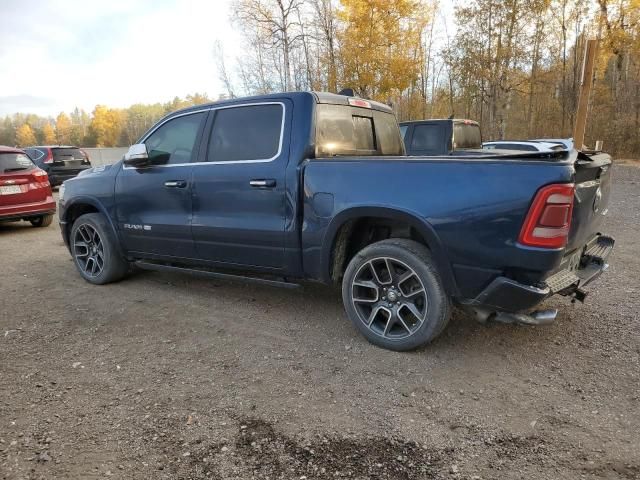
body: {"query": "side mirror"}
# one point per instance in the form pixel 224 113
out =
pixel 137 156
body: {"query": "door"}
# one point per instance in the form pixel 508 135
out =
pixel 239 204
pixel 154 203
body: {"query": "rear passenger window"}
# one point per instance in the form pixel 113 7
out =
pixel 174 141
pixel 246 133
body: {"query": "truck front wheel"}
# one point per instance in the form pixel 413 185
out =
pixel 394 296
pixel 94 250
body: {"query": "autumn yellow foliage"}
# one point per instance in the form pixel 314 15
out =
pixel 380 42
pixel 25 136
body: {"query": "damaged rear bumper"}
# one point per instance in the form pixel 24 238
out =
pixel 576 271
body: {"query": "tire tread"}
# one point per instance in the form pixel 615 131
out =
pixel 437 323
pixel 117 267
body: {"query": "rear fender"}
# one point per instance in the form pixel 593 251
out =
pixel 423 227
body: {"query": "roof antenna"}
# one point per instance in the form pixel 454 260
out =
pixel 452 116
pixel 347 92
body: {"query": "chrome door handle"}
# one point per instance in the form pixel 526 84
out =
pixel 175 184
pixel 263 183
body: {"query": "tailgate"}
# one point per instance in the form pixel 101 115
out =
pixel 593 188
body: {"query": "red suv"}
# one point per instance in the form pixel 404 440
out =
pixel 25 192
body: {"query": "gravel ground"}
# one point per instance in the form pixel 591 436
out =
pixel 164 376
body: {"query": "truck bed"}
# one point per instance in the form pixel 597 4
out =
pixel 469 209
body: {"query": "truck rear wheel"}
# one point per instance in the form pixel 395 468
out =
pixel 94 250
pixel 394 296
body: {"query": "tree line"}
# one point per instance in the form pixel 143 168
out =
pixel 513 65
pixel 104 127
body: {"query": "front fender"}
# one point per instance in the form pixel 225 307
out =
pixel 84 200
pixel 414 220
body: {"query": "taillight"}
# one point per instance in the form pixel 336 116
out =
pixel 549 218
pixel 49 157
pixel 40 176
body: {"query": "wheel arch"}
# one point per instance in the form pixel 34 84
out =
pixel 80 206
pixel 340 233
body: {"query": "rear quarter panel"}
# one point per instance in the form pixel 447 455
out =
pixel 470 211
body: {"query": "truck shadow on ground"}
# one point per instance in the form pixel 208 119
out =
pixel 319 307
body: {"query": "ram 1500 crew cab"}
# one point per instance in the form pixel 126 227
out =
pixel 317 186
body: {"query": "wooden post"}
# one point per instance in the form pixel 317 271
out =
pixel 585 92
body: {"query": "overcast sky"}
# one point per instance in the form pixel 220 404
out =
pixel 56 55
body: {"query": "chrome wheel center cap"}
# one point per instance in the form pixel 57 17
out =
pixel 392 295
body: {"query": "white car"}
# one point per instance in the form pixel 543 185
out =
pixel 567 142
pixel 528 146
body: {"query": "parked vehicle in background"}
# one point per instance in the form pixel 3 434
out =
pixel 566 142
pixel 316 186
pixel 60 162
pixel 25 192
pixel 441 137
pixel 524 146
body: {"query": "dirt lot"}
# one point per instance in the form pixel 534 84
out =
pixel 165 376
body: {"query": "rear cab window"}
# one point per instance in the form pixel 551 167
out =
pixel 466 135
pixel 345 130
pixel 14 162
pixel 69 153
pixel 428 138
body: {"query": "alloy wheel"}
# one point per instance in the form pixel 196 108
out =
pixel 389 298
pixel 88 250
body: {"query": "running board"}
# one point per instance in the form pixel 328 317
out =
pixel 210 274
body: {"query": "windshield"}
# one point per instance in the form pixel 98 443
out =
pixel 14 162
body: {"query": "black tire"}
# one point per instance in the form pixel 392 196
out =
pixel 41 221
pixel 92 238
pixel 420 308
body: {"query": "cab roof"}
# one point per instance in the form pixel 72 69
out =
pixel 318 97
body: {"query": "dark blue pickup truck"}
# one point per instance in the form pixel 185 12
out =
pixel 317 186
